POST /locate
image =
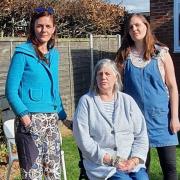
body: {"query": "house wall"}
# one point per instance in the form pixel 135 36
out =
pixel 162 23
pixel 161 19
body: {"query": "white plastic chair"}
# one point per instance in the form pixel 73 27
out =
pixel 8 127
pixel 63 160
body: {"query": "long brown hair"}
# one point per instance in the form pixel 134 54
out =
pixel 32 37
pixel 127 42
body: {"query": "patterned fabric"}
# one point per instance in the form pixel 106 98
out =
pixel 38 147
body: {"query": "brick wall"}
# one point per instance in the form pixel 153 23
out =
pixel 161 18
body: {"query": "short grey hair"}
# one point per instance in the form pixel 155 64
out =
pixel 100 64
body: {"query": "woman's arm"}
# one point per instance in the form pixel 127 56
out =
pixel 13 81
pixel 140 145
pixel 89 148
pixel 170 80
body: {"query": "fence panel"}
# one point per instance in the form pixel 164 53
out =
pixel 75 66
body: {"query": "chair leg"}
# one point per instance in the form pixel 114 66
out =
pixel 63 165
pixel 8 170
pixel 83 175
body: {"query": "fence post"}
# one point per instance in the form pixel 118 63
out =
pixel 70 74
pixel 11 49
pixel 92 55
pixel 118 41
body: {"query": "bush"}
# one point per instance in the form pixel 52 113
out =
pixel 75 18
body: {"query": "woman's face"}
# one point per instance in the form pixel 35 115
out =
pixel 137 29
pixel 106 79
pixel 44 29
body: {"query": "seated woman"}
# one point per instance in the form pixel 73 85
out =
pixel 110 129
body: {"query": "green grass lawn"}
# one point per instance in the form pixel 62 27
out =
pixel 72 158
pixel 155 170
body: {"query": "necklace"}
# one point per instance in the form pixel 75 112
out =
pixel 46 58
pixel 137 56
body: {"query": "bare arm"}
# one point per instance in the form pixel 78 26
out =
pixel 170 80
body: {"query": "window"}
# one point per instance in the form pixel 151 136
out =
pixel 176 25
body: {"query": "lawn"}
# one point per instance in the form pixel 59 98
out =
pixel 72 157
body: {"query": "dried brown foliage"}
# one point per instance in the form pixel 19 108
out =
pixel 75 18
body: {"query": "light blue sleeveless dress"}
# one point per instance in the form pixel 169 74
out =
pixel 146 86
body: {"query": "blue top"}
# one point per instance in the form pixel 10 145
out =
pixel 32 85
pixel 146 86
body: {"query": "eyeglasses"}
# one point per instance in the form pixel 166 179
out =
pixel 42 9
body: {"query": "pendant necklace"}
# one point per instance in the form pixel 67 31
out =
pixel 138 56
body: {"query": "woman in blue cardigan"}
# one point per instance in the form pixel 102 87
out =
pixel 110 129
pixel 32 90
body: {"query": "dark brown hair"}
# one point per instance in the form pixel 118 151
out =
pixel 127 42
pixel 32 37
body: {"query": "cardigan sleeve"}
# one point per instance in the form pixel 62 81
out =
pixel 13 81
pixel 88 146
pixel 61 112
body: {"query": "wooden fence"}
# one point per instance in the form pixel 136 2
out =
pixel 78 57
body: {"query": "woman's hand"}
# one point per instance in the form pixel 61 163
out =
pixel 173 92
pixel 68 124
pixel 26 120
pixel 175 125
pixel 107 159
pixel 128 165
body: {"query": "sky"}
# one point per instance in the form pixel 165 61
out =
pixel 134 5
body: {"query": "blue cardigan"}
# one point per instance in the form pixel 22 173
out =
pixel 32 85
pixel 97 135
